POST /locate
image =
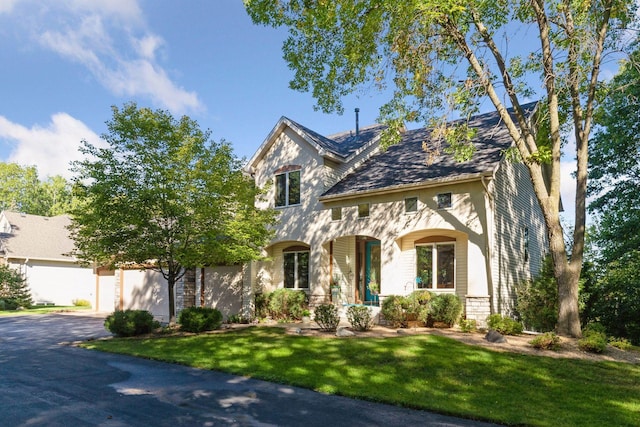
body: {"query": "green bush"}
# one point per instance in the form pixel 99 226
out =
pixel 285 304
pixel 393 311
pixel 546 341
pixel 593 342
pixel 129 323
pixel 537 300
pixel 468 325
pixel 238 318
pixel 620 343
pixel 445 308
pixel 360 317
pixel 199 319
pixel 262 305
pixel 14 291
pixel 326 315
pixel 504 325
pixel 81 303
pixel 417 304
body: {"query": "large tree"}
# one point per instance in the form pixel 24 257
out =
pixel 162 195
pixel 443 56
pixel 614 164
pixel 23 191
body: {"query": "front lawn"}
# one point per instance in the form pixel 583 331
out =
pixel 422 371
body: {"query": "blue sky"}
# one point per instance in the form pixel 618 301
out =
pixel 64 63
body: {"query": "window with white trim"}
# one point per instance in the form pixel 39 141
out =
pixel 411 205
pixel 288 188
pixel 363 210
pixel 336 214
pixel 444 200
pixel 436 265
pixel 296 267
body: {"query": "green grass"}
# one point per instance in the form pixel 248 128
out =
pixel 424 372
pixel 42 310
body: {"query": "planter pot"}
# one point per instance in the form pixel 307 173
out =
pixel 306 319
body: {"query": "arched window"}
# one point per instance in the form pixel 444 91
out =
pixel 436 262
pixel 296 267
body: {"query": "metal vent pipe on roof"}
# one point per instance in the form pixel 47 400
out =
pixel 357 125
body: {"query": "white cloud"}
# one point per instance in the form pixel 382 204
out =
pixel 111 40
pixel 6 6
pixel 50 148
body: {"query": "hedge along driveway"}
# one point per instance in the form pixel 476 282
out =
pixel 424 372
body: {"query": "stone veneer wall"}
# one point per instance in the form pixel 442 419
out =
pixel 478 308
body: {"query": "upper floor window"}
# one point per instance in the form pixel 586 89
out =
pixel 336 214
pixel 363 210
pixel 444 200
pixel 288 188
pixel 411 204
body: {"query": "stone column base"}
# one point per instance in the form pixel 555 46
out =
pixel 478 307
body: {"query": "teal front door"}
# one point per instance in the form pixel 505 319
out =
pixel 372 272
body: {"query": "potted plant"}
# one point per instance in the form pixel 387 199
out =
pixel 306 316
pixel 374 286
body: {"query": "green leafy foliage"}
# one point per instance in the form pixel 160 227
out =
pixel 326 316
pixel 546 341
pixel 617 298
pixel 288 304
pixel 445 308
pixel 620 343
pixel 163 191
pixel 360 317
pixel 14 292
pixel 594 339
pixel 129 323
pixel 199 319
pixel 23 191
pixel 504 325
pixel 468 325
pixel 537 300
pixel 417 305
pixel 393 311
pixel 81 302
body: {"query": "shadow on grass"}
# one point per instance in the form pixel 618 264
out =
pixel 424 372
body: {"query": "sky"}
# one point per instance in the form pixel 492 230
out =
pixel 64 63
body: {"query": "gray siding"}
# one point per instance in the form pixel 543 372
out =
pixel 516 210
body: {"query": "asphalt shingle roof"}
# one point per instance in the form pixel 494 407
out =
pixel 37 237
pixel 405 164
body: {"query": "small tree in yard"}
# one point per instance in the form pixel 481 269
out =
pixel 14 291
pixel 162 195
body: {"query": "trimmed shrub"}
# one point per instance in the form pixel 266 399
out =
pixel 81 303
pixel 393 311
pixel 287 304
pixel 326 316
pixel 238 318
pixel 129 323
pixel 360 317
pixel 468 325
pixel 546 341
pixel 504 325
pixel 262 305
pixel 417 304
pixel 199 319
pixel 445 308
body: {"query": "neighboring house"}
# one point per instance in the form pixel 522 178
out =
pixel 39 247
pixel 352 214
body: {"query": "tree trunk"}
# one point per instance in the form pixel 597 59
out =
pixel 567 276
pixel 171 280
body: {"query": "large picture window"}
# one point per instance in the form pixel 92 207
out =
pixel 288 188
pixel 296 267
pixel 435 264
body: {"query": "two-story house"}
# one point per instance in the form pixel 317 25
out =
pixel 352 214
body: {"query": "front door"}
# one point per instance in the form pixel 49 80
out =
pixel 372 271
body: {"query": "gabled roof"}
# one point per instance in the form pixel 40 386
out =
pixel 35 237
pixel 404 164
pixel 339 147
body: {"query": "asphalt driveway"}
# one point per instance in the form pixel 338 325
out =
pixel 46 382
